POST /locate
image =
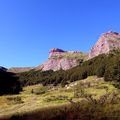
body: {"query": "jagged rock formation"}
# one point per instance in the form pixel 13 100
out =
pixel 60 59
pixel 20 69
pixel 108 41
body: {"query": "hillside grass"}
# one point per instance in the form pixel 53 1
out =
pixel 42 99
pixel 70 55
pixel 76 56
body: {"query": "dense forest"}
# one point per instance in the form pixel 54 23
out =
pixel 107 66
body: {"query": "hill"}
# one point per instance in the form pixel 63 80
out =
pixel 100 66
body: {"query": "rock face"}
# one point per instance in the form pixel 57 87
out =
pixel 108 41
pixel 60 63
pixel 60 59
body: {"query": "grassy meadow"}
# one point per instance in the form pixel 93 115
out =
pixel 49 102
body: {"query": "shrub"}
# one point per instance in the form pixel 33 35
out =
pixel 39 90
pixel 56 98
pixel 100 71
pixel 14 100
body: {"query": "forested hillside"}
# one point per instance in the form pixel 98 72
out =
pixel 104 65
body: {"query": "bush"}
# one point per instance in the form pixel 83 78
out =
pixel 100 71
pixel 39 90
pixel 56 98
pixel 63 83
pixel 14 100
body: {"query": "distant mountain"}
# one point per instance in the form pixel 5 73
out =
pixel 60 59
pixel 19 69
pixel 3 68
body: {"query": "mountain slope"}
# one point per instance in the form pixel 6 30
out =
pixel 19 69
pixel 99 65
pixel 108 41
pixel 60 59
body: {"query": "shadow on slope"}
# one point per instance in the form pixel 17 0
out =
pixel 9 83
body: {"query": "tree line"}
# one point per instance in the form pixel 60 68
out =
pixel 104 65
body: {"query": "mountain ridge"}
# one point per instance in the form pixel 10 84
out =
pixel 61 59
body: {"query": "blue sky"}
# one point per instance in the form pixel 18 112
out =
pixel 30 28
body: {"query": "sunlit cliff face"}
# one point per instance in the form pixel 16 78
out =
pixel 108 41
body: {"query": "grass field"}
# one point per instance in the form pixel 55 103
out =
pixel 38 97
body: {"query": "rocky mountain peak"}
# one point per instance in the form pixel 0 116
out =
pixel 60 59
pixel 56 52
pixel 107 41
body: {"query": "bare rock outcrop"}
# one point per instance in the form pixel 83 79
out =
pixel 108 41
pixel 60 59
pixel 60 63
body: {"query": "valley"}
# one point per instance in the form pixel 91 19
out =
pixel 70 85
pixel 37 98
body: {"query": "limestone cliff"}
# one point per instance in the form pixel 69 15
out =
pixel 108 41
pixel 60 59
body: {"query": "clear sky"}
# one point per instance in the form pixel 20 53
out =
pixel 30 28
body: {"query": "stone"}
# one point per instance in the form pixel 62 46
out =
pixel 60 59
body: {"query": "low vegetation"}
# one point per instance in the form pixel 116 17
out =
pixel 83 99
pixel 88 91
pixel 71 55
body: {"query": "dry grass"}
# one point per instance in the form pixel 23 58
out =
pixel 28 101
